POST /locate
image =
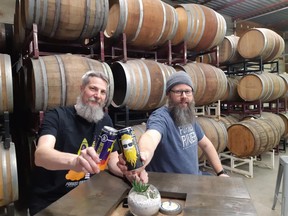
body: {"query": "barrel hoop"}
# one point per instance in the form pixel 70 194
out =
pixel 123 6
pixel 31 14
pixel 63 80
pixel 87 18
pixel 111 82
pixel 262 83
pixel 190 24
pixel 4 172
pixel 164 22
pixel 203 28
pixel 44 15
pixel 37 12
pixel 37 81
pixel 1 90
pixel 265 40
pixel 45 83
pixel 96 18
pixel 175 23
pixel 196 42
pixel 164 81
pixel 138 100
pixel 100 8
pixel 128 78
pixel 126 14
pixel 57 17
pixel 219 26
pixel 141 17
pixel 9 82
pixel 218 75
pixel 145 100
pixel 270 87
pixel 14 173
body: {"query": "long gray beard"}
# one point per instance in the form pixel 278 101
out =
pixel 90 113
pixel 182 116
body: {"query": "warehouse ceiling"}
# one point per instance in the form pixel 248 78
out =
pixel 269 13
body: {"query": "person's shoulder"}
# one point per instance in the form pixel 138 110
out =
pixel 160 111
pixel 106 119
pixel 163 109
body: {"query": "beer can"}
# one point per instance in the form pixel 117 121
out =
pixel 129 148
pixel 104 145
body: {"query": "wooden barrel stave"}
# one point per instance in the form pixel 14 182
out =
pixel 8 175
pixel 6 84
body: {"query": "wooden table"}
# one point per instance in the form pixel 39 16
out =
pixel 203 195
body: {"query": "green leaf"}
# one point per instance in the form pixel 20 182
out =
pixel 139 186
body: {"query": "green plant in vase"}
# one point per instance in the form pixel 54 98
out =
pixel 144 199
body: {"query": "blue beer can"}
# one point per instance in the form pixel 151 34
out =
pixel 104 145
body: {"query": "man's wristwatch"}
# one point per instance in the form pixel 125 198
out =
pixel 221 172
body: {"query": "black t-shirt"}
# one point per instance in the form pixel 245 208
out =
pixel 72 133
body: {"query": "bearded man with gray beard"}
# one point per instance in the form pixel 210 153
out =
pixel 65 154
pixel 170 143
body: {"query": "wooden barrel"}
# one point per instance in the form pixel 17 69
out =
pixel 231 93
pixel 284 76
pixel 6 37
pixel 265 86
pixel 6 84
pixel 252 137
pixel 55 80
pixel 209 58
pixel 64 19
pixel 229 120
pixel 210 83
pixel 284 117
pixel 201 27
pixel 276 120
pixel 261 42
pixel 228 52
pixel 216 132
pixel 146 23
pixel 8 175
pixel 140 84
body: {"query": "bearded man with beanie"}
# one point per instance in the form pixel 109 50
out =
pixel 170 143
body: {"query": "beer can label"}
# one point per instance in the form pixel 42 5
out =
pixel 104 145
pixel 129 148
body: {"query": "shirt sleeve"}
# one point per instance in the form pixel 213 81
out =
pixel 199 131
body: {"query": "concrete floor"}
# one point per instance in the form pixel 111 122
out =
pixel 262 186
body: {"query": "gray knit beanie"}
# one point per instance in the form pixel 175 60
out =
pixel 179 77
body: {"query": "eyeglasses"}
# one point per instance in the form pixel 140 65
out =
pixel 180 92
pixel 126 145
